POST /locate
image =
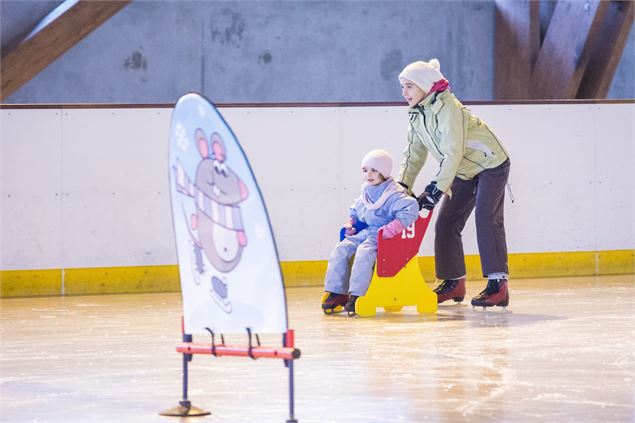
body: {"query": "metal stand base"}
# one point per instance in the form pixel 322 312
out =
pixel 185 409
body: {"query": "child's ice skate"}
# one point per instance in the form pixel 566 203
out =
pixel 350 305
pixel 494 294
pixel 451 289
pixel 333 303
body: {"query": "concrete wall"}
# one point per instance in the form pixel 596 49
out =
pixel 277 51
pixel 623 85
pixel 18 17
pixel 88 188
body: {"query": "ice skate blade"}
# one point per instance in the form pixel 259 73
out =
pixel 446 304
pixel 492 309
pixel 335 310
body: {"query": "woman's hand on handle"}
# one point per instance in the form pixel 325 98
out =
pixel 430 197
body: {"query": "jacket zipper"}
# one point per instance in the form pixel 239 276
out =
pixel 425 125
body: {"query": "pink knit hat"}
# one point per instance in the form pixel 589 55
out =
pixel 379 160
pixel 423 74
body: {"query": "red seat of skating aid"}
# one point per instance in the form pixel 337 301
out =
pixel 394 253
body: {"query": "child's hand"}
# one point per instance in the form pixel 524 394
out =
pixel 348 226
pixel 391 229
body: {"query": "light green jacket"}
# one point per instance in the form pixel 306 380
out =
pixel 463 144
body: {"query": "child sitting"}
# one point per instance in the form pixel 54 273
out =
pixel 383 204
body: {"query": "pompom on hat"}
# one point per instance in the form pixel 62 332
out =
pixel 423 74
pixel 380 160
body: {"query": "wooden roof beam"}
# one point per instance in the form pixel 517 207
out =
pixel 565 51
pixel 607 50
pixel 517 43
pixel 34 54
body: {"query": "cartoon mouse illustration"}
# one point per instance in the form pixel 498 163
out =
pixel 216 228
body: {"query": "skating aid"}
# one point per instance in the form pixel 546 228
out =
pixel 397 280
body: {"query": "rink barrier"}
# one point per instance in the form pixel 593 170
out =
pixel 89 106
pixel 25 273
pixel 137 279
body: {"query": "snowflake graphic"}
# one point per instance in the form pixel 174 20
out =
pixel 259 231
pixel 201 110
pixel 181 137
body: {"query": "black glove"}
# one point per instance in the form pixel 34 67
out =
pixel 430 197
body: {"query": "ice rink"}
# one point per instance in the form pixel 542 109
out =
pixel 170 157
pixel 564 351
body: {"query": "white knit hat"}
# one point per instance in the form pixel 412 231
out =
pixel 380 160
pixel 423 74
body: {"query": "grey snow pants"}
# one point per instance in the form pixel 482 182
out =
pixel 486 195
pixel 342 277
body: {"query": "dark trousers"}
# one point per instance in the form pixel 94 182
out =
pixel 485 194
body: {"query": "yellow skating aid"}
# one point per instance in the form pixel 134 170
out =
pixel 406 288
pixel 397 281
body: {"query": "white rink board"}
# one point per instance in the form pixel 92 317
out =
pixel 31 143
pixel 88 187
pixel 115 188
pixel 297 170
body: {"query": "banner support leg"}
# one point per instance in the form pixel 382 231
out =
pixel 288 340
pixel 185 407
pixel 291 397
pixel 186 358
